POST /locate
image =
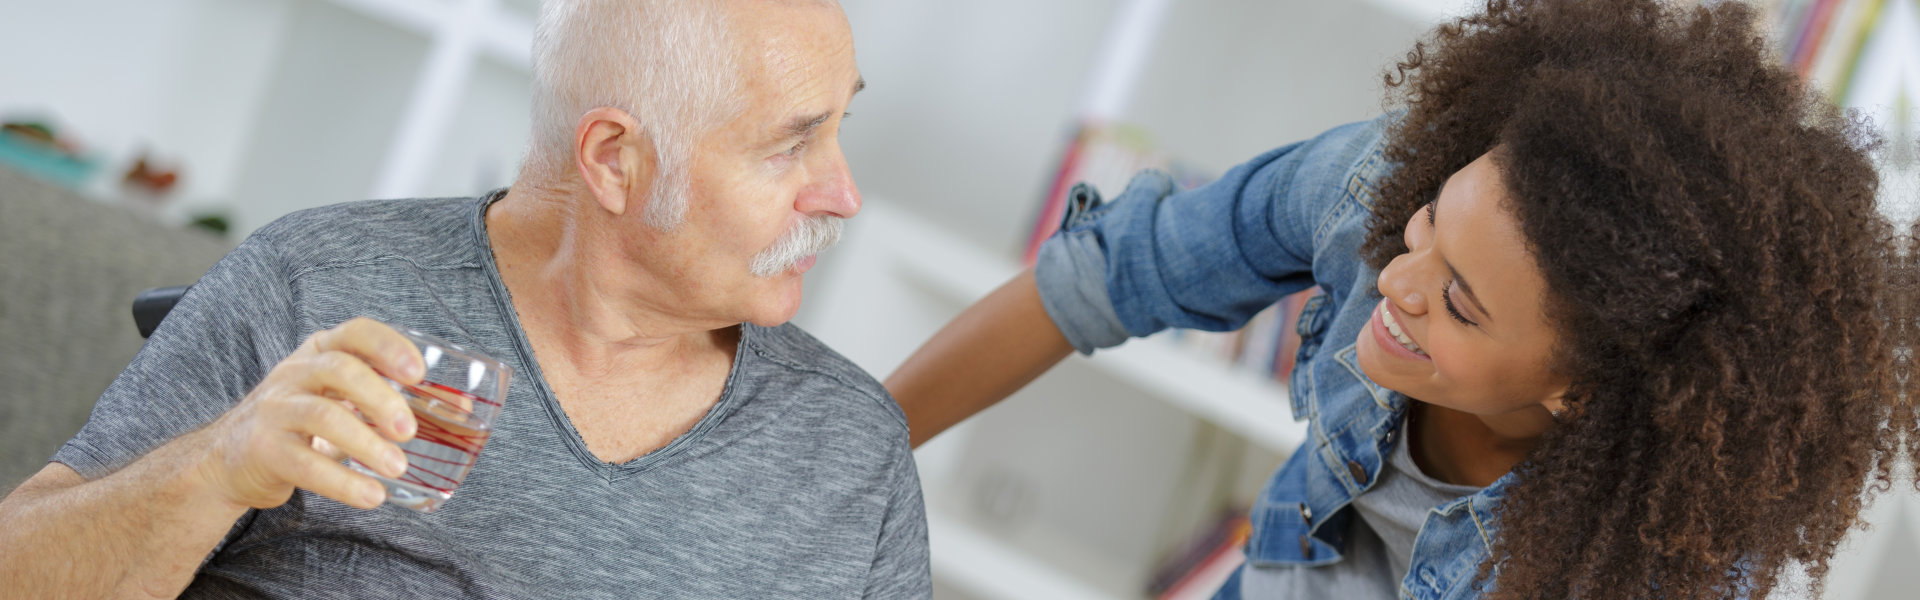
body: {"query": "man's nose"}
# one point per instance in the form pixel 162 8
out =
pixel 832 191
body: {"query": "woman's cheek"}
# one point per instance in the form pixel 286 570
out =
pixel 1449 358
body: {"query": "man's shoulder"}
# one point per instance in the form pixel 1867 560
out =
pixel 432 233
pixel 792 349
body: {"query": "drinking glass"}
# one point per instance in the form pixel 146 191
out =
pixel 453 408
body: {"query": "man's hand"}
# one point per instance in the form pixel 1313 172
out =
pixel 142 531
pixel 296 426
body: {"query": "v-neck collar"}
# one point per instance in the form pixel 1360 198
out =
pixel 730 396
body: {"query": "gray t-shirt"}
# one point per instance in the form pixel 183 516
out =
pixel 1380 545
pixel 799 483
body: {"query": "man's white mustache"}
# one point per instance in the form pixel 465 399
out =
pixel 810 237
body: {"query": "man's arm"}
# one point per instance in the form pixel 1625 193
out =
pixel 143 531
pixel 139 533
pixel 901 567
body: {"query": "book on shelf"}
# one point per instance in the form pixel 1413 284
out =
pixel 1105 156
pixel 1197 569
pixel 1831 42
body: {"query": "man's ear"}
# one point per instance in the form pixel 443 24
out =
pixel 616 157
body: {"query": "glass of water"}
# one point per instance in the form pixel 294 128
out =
pixel 454 407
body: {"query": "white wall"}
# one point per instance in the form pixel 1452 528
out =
pixel 967 105
pixel 1234 78
pixel 271 106
pixel 327 113
pixel 181 77
pixel 487 141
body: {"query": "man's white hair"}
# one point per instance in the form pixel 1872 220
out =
pixel 669 63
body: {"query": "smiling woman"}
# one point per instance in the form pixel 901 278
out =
pixel 1600 316
pixel 1489 366
pixel 1704 242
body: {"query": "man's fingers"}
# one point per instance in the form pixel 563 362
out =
pixel 379 345
pixel 346 377
pixel 323 446
pixel 327 448
pixel 313 472
pixel 328 420
pixel 321 393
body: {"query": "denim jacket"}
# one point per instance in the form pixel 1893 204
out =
pixel 1209 258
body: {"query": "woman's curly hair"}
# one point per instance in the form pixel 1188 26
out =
pixel 1707 232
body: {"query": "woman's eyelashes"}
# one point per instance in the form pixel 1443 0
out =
pixel 1446 298
pixel 1446 292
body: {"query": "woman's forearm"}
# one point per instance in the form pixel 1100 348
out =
pixel 990 351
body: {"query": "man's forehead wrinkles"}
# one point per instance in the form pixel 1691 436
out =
pixel 786 66
pixel 795 79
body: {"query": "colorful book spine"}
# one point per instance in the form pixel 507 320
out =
pixel 1198 569
pixel 1105 156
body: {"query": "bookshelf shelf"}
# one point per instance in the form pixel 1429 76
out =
pixel 1248 404
pixel 994 568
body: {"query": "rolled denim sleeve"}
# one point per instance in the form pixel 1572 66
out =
pixel 1071 274
pixel 1207 258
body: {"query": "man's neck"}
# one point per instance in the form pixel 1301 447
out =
pixel 577 300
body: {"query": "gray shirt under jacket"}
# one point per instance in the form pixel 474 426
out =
pixel 1380 542
pixel 798 483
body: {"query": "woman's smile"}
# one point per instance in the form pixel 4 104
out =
pixel 1392 336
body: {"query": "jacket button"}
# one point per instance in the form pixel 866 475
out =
pixel 1358 472
pixel 1306 548
pixel 1306 513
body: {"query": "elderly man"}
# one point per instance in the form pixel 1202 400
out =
pixel 665 435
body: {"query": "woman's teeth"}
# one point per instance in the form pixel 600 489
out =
pixel 1393 327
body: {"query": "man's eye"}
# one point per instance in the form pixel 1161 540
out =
pixel 795 150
